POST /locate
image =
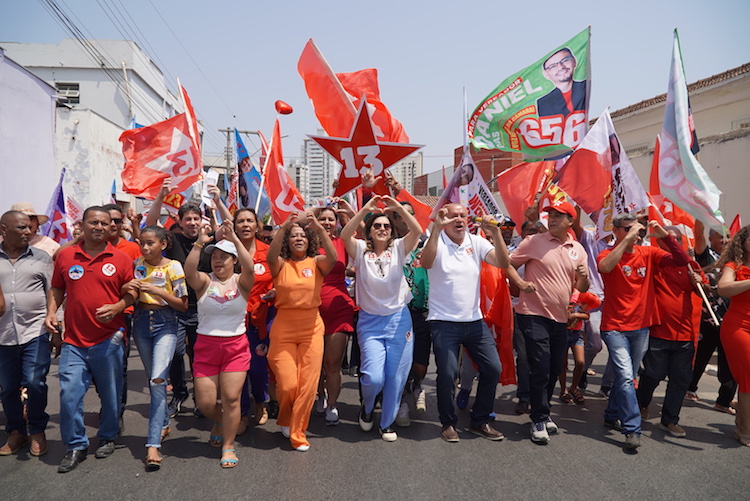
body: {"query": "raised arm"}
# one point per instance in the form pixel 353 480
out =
pixel 324 263
pixel 152 219
pixel 610 260
pixel 499 255
pixel 349 231
pixel 216 194
pixel 197 279
pixel 411 239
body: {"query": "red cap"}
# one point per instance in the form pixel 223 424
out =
pixel 562 208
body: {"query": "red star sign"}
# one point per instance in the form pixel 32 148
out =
pixel 361 151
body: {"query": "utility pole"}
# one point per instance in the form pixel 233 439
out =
pixel 228 131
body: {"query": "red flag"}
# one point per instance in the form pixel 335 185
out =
pixel 445 179
pixel 497 309
pixel 519 185
pixel 653 180
pixel 422 211
pixel 336 97
pixel 192 121
pixel 156 152
pixel 284 196
pixel 669 214
pixel 735 226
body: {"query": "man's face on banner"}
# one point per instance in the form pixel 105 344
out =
pixel 559 67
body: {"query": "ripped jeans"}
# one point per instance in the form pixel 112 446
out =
pixel 155 334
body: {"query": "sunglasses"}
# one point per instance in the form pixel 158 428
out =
pixel 117 220
pixel 385 226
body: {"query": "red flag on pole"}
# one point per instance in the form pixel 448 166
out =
pixel 735 226
pixel 445 179
pixel 520 184
pixel 285 197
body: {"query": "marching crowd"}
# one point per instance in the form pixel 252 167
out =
pixel 268 318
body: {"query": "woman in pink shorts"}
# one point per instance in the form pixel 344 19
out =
pixel 222 352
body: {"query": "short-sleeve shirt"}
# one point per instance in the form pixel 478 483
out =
pixel 171 278
pixel 90 283
pixel 25 284
pixel 454 278
pixel 381 287
pixel 679 304
pixel 179 250
pixel 551 266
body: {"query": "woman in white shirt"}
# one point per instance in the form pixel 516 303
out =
pixel 384 328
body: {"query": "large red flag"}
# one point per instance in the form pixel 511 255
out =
pixel 422 211
pixel 156 152
pixel 192 121
pixel 520 184
pixel 285 197
pixel 735 226
pixel 669 212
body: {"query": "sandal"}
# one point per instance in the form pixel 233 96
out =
pixel 566 398
pixel 577 397
pixel 165 432
pixel 153 464
pixel 228 462
pixel 216 440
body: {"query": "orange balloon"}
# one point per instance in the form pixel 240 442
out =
pixel 283 108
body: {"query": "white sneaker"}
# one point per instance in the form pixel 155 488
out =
pixel 402 418
pixel 539 433
pixel 551 426
pixel 332 416
pixel 420 400
pixel 388 434
pixel 303 448
pixel 285 431
pixel 321 402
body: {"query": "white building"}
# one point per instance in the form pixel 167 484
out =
pixel 99 95
pixel 323 169
pixel 406 170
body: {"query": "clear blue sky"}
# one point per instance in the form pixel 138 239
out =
pixel 425 52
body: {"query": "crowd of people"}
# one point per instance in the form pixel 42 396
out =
pixel 266 319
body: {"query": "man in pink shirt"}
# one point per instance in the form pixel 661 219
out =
pixel 555 264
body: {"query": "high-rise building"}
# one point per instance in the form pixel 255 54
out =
pixel 300 175
pixel 406 170
pixel 322 169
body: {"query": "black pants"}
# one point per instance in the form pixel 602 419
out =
pixel 666 358
pixel 706 346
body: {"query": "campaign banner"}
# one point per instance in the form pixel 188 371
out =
pixel 467 187
pixel 541 111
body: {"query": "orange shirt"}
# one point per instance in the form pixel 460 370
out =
pixel 298 284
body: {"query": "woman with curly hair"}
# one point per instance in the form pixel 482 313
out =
pixel 295 353
pixel 384 327
pixel 735 328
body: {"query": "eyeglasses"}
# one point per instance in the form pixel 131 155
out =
pixel 117 220
pixel 564 60
pixel 385 226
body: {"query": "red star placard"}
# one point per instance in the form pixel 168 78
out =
pixel 361 151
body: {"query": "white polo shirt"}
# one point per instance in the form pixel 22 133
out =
pixel 454 279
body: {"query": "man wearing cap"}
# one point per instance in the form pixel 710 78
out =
pixel 90 274
pixel 41 242
pixel 555 264
pixel 25 274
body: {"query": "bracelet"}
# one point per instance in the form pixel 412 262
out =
pixel 195 244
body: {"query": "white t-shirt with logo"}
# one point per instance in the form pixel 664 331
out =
pixel 381 287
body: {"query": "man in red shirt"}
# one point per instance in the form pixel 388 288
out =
pixel 672 340
pixel 629 310
pixel 90 274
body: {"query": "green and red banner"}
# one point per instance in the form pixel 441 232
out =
pixel 541 111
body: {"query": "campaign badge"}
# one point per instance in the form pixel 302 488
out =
pixel 75 272
pixel 408 336
pixel 261 350
pixel 627 270
pixel 307 272
pixel 573 254
pixel 259 269
pixel 140 272
pixel 109 269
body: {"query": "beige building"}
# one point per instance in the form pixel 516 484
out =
pixel 721 111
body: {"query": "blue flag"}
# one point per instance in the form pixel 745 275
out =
pixel 249 188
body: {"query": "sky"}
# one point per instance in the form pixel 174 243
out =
pixel 237 57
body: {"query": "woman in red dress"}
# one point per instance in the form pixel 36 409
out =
pixel 735 328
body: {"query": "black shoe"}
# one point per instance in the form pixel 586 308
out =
pixel 522 407
pixel 175 405
pixel 71 460
pixel 273 409
pixel 106 448
pixel 613 424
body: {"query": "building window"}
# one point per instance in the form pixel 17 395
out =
pixel 68 93
pixel 741 124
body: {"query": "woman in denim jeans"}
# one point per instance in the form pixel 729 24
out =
pixel 162 292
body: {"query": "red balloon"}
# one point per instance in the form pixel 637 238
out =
pixel 283 107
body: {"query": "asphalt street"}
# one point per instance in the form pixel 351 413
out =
pixel 584 461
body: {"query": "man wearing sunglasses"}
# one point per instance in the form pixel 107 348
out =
pixel 568 95
pixel 629 310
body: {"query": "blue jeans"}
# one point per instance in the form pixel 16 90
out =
pixel 187 331
pixel 626 350
pixel 666 358
pixel 447 337
pixel 155 333
pixel 25 365
pixel 78 365
pixel 546 341
pixel 387 347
